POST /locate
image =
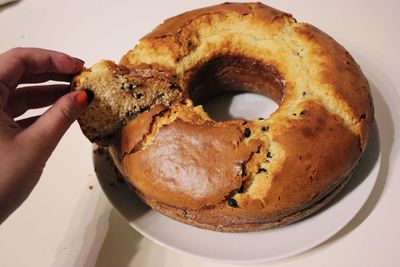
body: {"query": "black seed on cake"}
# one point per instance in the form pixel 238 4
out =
pixel 173 85
pixel 144 108
pixel 247 132
pixel 241 189
pixel 260 170
pixel 232 202
pixel 130 113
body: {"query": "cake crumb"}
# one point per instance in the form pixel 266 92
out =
pixel 90 187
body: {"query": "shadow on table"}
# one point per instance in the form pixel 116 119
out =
pixel 106 240
pixel 120 243
pixel 119 193
pixel 109 240
pixel 123 246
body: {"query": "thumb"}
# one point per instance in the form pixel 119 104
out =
pixel 43 136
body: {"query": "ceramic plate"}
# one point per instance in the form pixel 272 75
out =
pixel 244 247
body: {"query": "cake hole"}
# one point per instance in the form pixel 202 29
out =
pixel 210 81
pixel 239 105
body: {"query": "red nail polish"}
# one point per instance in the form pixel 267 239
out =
pixel 82 99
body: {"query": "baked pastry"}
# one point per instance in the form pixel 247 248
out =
pixel 235 175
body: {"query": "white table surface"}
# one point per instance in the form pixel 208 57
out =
pixel 64 223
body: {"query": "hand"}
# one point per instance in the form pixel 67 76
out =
pixel 25 145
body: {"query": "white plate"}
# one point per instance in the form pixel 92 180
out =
pixel 245 247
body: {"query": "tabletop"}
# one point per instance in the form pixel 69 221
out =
pixel 68 220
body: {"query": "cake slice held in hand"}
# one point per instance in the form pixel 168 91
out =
pixel 120 94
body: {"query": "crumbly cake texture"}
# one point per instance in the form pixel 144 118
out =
pixel 120 94
pixel 237 175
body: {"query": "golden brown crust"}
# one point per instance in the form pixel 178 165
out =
pixel 315 158
pixel 137 129
pixel 342 73
pixel 184 176
pixel 174 25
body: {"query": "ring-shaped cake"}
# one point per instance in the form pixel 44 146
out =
pixel 238 175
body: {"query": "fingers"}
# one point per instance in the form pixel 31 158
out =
pixel 24 63
pixel 31 97
pixel 44 134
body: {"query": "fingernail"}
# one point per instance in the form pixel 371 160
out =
pixel 84 98
pixel 81 98
pixel 76 64
pixel 80 60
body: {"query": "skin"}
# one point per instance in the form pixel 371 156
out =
pixel 27 144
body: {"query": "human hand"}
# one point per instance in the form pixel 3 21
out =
pixel 25 145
